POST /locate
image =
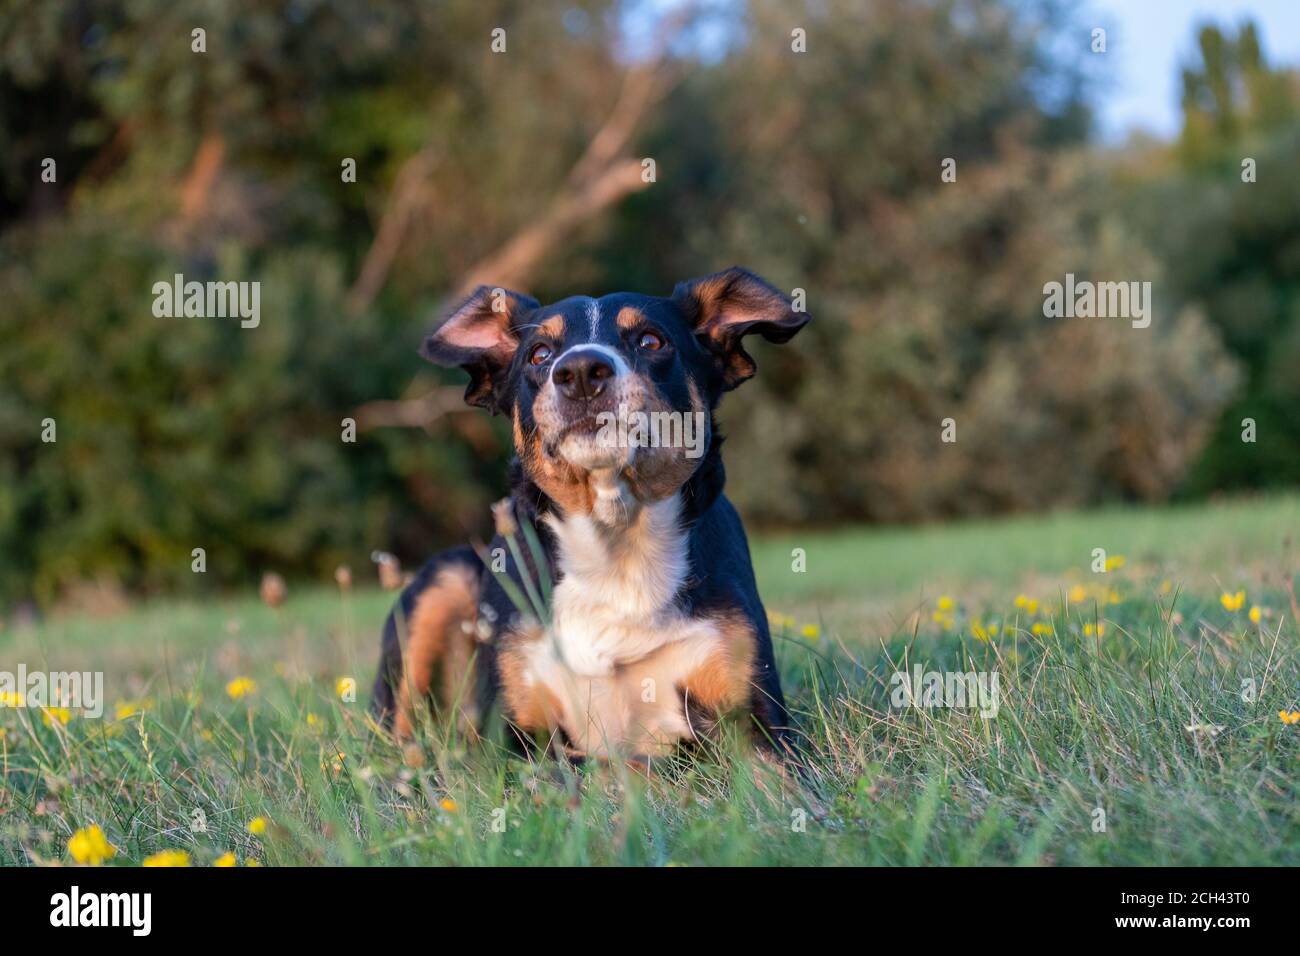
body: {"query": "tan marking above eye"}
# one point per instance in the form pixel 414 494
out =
pixel 629 318
pixel 554 327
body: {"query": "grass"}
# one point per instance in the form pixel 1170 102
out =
pixel 1124 705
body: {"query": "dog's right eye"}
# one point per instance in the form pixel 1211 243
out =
pixel 540 353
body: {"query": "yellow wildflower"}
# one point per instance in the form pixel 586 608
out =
pixel 978 631
pixel 1115 562
pixel 1233 602
pixel 90 846
pixel 257 826
pixel 811 631
pixel 1027 604
pixel 945 603
pixel 312 720
pixel 11 698
pixel 167 858
pixel 1289 716
pixel 129 708
pixel 1094 630
pixel 448 804
pixel 241 687
pixel 1078 594
pixel 50 714
pixel 226 859
pixel 1255 614
pixel 1041 628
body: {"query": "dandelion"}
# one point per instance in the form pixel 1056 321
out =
pixel 945 603
pixel 1255 614
pixel 811 631
pixel 345 687
pixel 167 858
pixel 1094 630
pixel 312 720
pixel 226 859
pixel 11 698
pixel 978 630
pixel 1232 602
pixel 1027 604
pixel 90 846
pixel 257 826
pixel 241 687
pixel 1041 628
pixel 1289 716
pixel 1078 594
pixel 50 714
pixel 1115 562
pixel 448 804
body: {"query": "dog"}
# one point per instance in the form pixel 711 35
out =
pixel 654 630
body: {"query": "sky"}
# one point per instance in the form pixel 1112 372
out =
pixel 1146 42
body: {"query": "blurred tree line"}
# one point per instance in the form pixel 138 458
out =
pixel 820 170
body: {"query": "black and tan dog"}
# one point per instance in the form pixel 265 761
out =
pixel 654 629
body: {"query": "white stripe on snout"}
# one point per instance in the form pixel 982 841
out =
pixel 620 366
pixel 593 315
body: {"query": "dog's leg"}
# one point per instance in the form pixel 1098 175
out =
pixel 435 618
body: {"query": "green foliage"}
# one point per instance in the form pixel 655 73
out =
pixel 175 434
pixel 1231 248
pixel 821 171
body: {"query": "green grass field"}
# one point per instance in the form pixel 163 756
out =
pixel 1139 719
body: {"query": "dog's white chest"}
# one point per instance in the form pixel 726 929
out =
pixel 616 599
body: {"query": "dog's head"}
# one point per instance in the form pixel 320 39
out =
pixel 623 385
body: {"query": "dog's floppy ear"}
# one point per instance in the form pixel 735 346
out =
pixel 727 306
pixel 480 336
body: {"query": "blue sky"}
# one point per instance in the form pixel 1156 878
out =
pixel 1147 40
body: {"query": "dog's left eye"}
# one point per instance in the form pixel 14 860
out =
pixel 539 354
pixel 650 341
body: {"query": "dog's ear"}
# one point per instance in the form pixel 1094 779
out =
pixel 480 335
pixel 727 306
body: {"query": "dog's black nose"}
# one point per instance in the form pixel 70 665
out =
pixel 581 375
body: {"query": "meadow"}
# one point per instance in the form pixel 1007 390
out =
pixel 1147 715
